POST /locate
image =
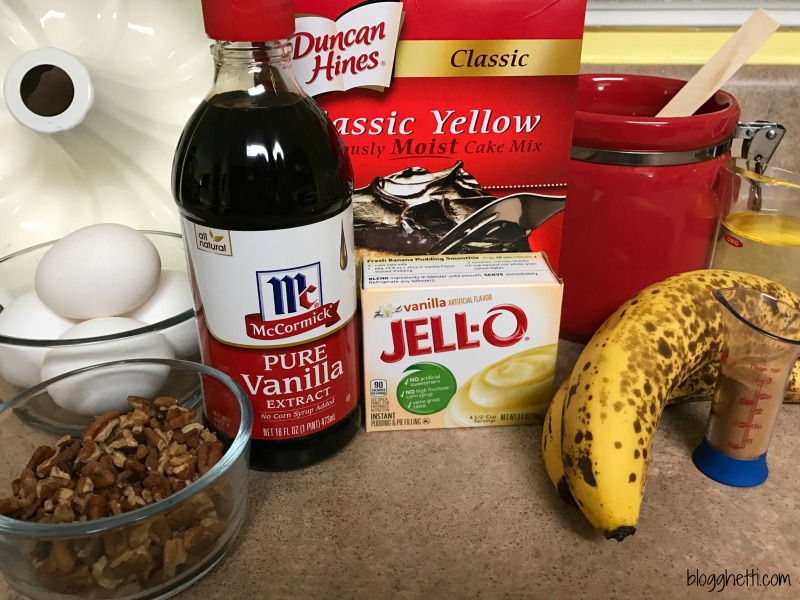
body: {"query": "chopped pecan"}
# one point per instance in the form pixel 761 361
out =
pixel 208 454
pixel 120 463
pixel 97 507
pixel 8 506
pixel 45 488
pixel 62 458
pixel 183 466
pixel 151 462
pixel 178 417
pixel 131 464
pixel 160 530
pixel 141 452
pixel 62 557
pixel 103 578
pixel 174 556
pixel 101 427
pixel 163 403
pixel 63 513
pixel 155 438
pixel 41 454
pixel 118 458
pixel 137 562
pixel 124 440
pixel 158 484
pixel 27 483
pixel 199 538
pixel 102 475
pixel 137 403
pixel 84 485
pixel 89 549
pixel 89 452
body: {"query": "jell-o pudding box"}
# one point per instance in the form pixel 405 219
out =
pixel 464 340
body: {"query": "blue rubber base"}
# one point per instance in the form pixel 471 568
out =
pixel 727 470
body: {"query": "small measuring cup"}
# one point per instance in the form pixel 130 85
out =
pixel 760 226
pixel 761 345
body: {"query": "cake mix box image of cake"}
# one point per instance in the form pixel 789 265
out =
pixel 457 117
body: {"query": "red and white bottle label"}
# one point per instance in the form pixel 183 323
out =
pixel 276 312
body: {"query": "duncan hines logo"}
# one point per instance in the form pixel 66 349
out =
pixel 291 304
pixel 503 326
pixel 355 50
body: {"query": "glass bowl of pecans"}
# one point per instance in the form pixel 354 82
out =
pixel 135 503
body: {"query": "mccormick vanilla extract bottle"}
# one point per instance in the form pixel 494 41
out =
pixel 264 186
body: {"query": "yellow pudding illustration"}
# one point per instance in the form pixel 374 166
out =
pixel 509 392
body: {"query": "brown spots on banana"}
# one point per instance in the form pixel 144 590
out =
pixel 564 492
pixel 585 467
pixel 682 322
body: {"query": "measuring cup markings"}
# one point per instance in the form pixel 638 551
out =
pixel 760 346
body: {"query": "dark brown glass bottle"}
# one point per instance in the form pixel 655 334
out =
pixel 264 186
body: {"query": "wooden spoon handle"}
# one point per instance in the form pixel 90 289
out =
pixel 720 67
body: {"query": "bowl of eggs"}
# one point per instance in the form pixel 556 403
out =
pixel 138 503
pixel 103 292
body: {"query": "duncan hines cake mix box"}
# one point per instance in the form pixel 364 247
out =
pixel 445 107
pixel 464 340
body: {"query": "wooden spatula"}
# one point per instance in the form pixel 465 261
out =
pixel 720 67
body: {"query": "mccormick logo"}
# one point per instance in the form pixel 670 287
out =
pixel 290 302
pixel 355 50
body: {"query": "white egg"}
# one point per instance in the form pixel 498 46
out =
pixel 91 394
pixel 27 317
pixel 173 296
pixel 98 271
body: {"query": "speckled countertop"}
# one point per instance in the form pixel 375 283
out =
pixel 462 514
pixel 471 514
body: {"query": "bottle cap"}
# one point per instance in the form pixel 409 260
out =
pixel 248 20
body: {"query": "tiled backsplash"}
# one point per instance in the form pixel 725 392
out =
pixel 764 92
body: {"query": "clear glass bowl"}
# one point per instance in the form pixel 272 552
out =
pixel 129 555
pixel 17 272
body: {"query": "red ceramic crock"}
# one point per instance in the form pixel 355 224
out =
pixel 642 200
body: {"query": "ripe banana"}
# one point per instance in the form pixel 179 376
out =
pixel 642 356
pixel 551 443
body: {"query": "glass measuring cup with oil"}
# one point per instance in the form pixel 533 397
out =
pixel 760 228
pixel 761 346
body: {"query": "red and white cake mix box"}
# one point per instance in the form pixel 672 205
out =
pixel 458 340
pixel 445 107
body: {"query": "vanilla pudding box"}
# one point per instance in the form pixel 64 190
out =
pixel 458 340
pixel 443 108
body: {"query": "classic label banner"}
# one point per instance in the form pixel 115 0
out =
pixel 487 58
